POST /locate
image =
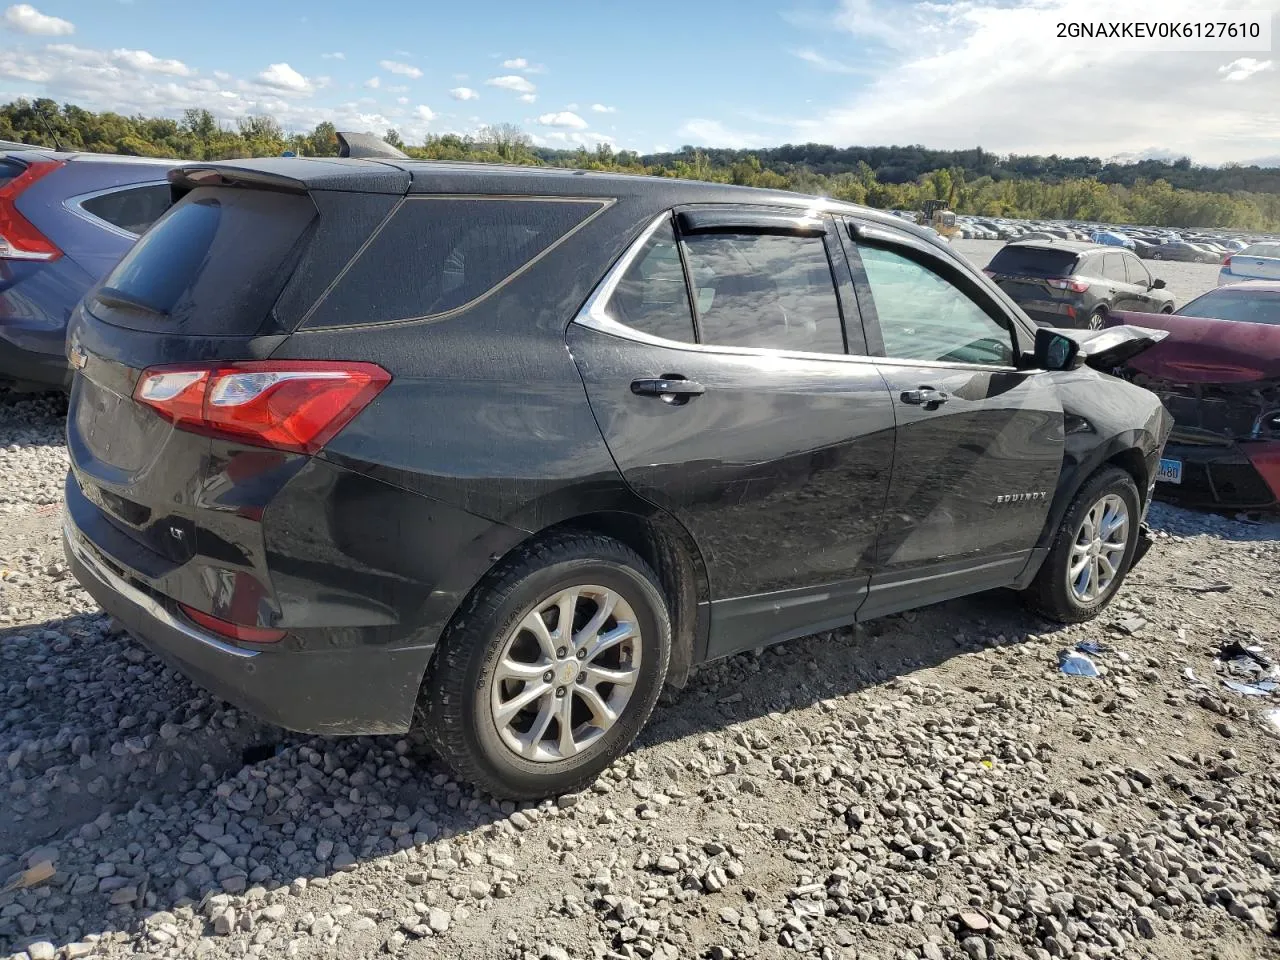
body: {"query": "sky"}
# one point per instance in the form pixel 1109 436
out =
pixel 656 75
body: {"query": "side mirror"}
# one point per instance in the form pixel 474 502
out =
pixel 1157 284
pixel 1055 351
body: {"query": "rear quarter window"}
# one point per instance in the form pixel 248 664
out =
pixel 438 255
pixel 131 209
pixel 1032 262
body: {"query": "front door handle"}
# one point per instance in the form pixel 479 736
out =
pixel 926 397
pixel 672 389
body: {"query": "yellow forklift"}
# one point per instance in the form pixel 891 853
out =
pixel 936 215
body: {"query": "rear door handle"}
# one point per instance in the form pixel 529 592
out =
pixel 926 397
pixel 668 389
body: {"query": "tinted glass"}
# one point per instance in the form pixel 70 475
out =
pixel 1232 303
pixel 437 255
pixel 765 290
pixel 133 208
pixel 1113 267
pixel 1262 250
pixel 651 297
pixel 924 317
pixel 1137 273
pixel 1032 262
pixel 214 264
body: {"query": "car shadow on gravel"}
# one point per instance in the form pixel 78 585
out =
pixel 150 801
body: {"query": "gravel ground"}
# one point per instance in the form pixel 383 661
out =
pixel 929 785
pixel 1184 280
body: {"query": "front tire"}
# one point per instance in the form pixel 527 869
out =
pixel 1091 552
pixel 550 669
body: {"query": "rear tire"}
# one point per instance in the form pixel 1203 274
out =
pixel 488 707
pixel 1061 590
pixel 1096 319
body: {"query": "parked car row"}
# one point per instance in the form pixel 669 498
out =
pixel 1149 243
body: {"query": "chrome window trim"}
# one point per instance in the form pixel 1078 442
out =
pixel 73 205
pixel 594 315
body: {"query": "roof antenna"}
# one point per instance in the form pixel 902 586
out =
pixel 48 128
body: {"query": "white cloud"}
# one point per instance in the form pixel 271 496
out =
pixel 563 139
pixel 513 83
pixel 1244 68
pixel 464 93
pixel 401 69
pixel 373 83
pixel 516 63
pixel 983 72
pixel 336 55
pixel 823 63
pixel 601 108
pixel 565 118
pixel 149 63
pixel 712 133
pixel 571 106
pixel 221 75
pixel 529 97
pixel 402 100
pixel 25 18
pixel 425 113
pixel 281 76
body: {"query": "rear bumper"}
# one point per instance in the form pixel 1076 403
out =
pixel 1245 475
pixel 37 364
pixel 361 690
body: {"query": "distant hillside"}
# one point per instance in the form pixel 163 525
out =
pixel 976 181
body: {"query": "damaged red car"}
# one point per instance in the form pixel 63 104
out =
pixel 1218 374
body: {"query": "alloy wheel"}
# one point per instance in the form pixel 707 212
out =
pixel 1097 552
pixel 566 673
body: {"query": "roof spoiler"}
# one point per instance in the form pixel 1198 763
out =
pixel 367 146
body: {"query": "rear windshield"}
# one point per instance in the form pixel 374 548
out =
pixel 1032 262
pixel 1236 303
pixel 212 266
pixel 440 254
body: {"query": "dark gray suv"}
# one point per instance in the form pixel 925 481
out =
pixel 503 450
pixel 1062 283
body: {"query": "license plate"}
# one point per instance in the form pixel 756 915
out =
pixel 1170 471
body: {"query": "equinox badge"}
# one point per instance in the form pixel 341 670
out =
pixel 1035 496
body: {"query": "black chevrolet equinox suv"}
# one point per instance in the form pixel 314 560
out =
pixel 357 443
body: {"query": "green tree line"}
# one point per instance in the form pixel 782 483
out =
pixel 970 181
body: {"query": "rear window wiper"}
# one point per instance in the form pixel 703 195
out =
pixel 112 297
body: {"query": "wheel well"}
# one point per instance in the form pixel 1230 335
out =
pixel 1132 462
pixel 670 551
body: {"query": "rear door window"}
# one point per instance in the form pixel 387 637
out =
pixel 1113 268
pixel 213 265
pixel 131 209
pixel 1032 262
pixel 438 255
pixel 764 290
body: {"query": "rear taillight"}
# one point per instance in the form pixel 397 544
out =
pixel 232 631
pixel 297 405
pixel 1065 283
pixel 19 240
pixel 1226 261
